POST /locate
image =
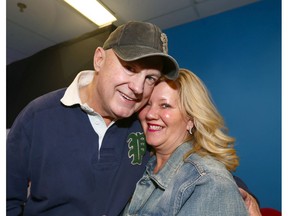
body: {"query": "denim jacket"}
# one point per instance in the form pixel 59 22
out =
pixel 199 186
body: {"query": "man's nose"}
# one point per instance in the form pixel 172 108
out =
pixel 136 83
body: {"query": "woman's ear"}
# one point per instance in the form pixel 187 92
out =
pixel 99 58
pixel 190 125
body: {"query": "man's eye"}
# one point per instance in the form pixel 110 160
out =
pixel 129 68
pixel 151 80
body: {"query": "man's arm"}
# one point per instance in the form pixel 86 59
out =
pixel 251 203
pixel 250 200
pixel 17 153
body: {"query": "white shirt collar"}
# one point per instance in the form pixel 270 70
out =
pixel 72 94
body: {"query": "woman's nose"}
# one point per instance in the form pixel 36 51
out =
pixel 152 113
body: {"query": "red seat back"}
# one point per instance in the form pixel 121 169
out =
pixel 270 212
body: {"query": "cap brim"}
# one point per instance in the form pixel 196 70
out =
pixel 171 68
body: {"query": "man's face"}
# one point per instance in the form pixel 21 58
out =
pixel 124 87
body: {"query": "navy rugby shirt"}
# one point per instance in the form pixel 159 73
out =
pixel 56 148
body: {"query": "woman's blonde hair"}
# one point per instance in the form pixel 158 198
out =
pixel 209 133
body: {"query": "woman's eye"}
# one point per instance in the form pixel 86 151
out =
pixel 165 105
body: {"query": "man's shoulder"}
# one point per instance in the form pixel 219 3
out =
pixel 44 102
pixel 52 96
pixel 47 100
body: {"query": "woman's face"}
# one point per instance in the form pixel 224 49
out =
pixel 165 125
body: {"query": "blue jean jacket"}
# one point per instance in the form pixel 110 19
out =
pixel 199 186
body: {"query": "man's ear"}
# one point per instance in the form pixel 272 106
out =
pixel 99 58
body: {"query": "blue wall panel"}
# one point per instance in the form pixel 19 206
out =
pixel 238 56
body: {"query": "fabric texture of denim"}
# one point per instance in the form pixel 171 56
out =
pixel 194 186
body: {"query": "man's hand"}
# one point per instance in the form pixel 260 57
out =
pixel 251 203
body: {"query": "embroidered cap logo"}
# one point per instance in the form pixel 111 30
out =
pixel 164 40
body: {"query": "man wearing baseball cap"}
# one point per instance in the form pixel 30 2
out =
pixel 82 149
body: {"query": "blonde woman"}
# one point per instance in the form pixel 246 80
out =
pixel 189 173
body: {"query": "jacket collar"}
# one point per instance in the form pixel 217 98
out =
pixel 176 160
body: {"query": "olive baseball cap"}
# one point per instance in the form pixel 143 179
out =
pixel 135 40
